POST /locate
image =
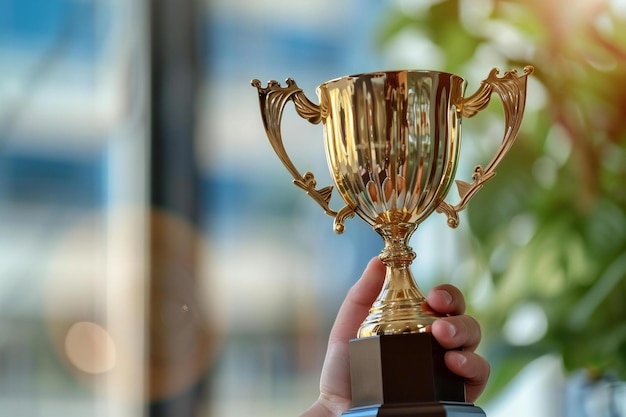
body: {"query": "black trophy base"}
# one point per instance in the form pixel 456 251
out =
pixel 405 376
pixel 417 410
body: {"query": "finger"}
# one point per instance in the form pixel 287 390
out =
pixel 335 381
pixel 457 332
pixel 474 368
pixel 358 302
pixel 446 299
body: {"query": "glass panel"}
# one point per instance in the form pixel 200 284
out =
pixel 72 195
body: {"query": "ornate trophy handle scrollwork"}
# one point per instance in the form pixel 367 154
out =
pixel 512 92
pixel 273 99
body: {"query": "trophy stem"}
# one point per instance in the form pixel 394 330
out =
pixel 400 308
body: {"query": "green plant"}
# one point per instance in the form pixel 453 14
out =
pixel 549 232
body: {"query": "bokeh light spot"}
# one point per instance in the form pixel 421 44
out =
pixel 90 348
pixel 526 325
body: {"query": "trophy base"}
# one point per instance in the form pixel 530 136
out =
pixel 405 375
pixel 440 409
pixel 403 368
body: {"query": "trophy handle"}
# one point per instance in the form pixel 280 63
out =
pixel 512 92
pixel 273 99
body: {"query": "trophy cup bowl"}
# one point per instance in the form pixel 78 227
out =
pixel 392 144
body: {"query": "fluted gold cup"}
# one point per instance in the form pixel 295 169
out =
pixel 392 145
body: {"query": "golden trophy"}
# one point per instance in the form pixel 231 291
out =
pixel 392 144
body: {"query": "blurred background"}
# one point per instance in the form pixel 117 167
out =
pixel 155 259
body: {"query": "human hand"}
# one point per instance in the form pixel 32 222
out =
pixel 452 332
pixel 458 330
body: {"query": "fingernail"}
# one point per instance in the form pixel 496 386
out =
pixel 445 295
pixel 451 328
pixel 459 357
